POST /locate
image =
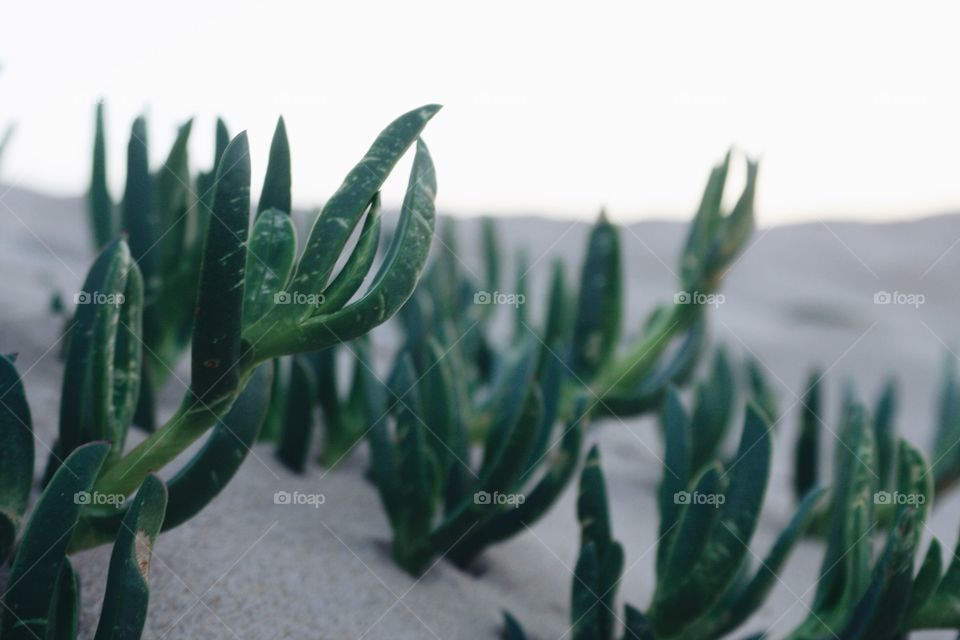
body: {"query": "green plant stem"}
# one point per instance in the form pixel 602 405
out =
pixel 189 423
pixel 631 367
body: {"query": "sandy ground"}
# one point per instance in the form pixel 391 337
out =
pixel 247 568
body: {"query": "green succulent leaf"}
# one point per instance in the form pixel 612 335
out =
pixel 293 448
pixel 16 454
pixel 391 286
pixel 599 309
pixel 748 599
pixel 101 380
pixel 100 204
pixel 172 194
pixel 927 580
pixel 807 450
pixel 343 211
pixel 64 615
pixel 712 411
pixel 584 600
pixel 351 276
pixel 885 431
pixel 271 252
pixel 683 595
pixel 512 629
pixel 217 349
pixel 39 559
pixel 276 192
pixel 881 609
pixel 676 470
pixel 140 219
pixel 636 625
pixel 127 593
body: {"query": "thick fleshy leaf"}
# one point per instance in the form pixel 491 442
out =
pixel 676 471
pixel 351 276
pixel 276 183
pixel 101 379
pixel 172 200
pixel 648 391
pixel 584 599
pixel 880 611
pixel 343 210
pixel 293 448
pixel 751 597
pixel 127 593
pixel 682 596
pixel 102 224
pixel 597 325
pixel 270 256
pixel 807 451
pixel 761 393
pixel 636 626
pixel 217 348
pixel 38 563
pixel 139 215
pixel 390 288
pixel 537 502
pixel 16 454
pixel 712 411
pixel 885 432
pixel 64 610
pixel 512 629
pixel 927 580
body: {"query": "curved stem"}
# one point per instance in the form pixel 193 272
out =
pixel 191 421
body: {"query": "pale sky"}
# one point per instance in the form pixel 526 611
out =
pixel 550 108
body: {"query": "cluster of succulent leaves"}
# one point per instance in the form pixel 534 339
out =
pixel 243 320
pixel 41 596
pixel 164 216
pixel 526 402
pixel 704 585
pixel 945 465
pixel 310 382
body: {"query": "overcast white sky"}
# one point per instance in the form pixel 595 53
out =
pixel 853 107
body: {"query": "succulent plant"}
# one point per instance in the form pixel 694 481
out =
pixel 860 595
pixel 311 382
pixel 704 587
pixel 163 215
pixel 422 462
pixel 42 592
pixel 244 321
pixel 437 503
pixel 808 458
pixel 251 311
